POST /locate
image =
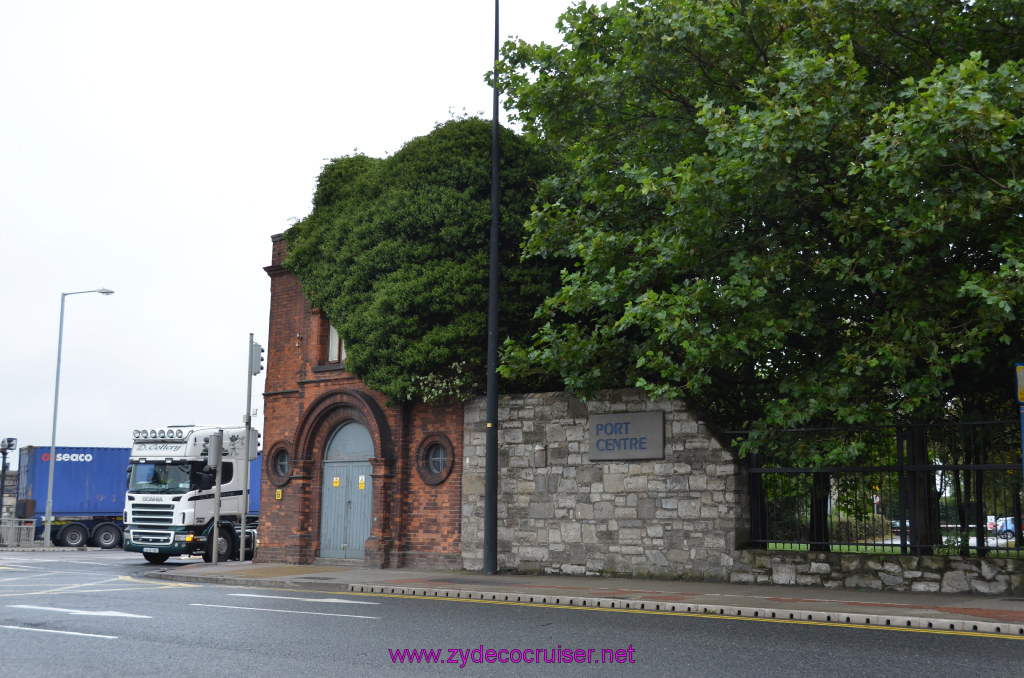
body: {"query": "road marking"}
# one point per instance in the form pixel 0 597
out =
pixel 88 613
pixel 268 609
pixel 86 562
pixel 305 600
pixel 63 633
pixel 120 583
pixel 23 577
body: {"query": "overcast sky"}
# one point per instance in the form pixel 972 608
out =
pixel 153 147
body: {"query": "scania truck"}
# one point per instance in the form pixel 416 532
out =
pixel 172 488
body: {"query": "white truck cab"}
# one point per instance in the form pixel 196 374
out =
pixel 169 505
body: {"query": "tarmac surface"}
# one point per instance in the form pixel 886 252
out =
pixel 972 613
pixel 964 613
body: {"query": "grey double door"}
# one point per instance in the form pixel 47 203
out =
pixel 347 496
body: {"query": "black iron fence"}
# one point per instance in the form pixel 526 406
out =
pixel 939 489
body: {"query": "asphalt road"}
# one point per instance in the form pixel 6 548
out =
pixel 95 613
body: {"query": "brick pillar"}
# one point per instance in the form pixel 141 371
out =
pixel 380 546
pixel 305 536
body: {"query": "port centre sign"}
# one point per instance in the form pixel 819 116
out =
pixel 627 436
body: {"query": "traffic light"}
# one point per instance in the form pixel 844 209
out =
pixel 255 358
pixel 213 448
pixel 216 448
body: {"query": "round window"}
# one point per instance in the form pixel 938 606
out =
pixel 282 463
pixel 435 459
pixel 280 466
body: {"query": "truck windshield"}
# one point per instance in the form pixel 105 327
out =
pixel 159 478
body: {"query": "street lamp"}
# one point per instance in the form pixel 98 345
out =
pixel 56 393
pixel 490 564
pixel 6 445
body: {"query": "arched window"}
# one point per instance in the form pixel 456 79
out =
pixel 349 442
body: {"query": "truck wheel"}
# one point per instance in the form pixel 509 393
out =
pixel 107 537
pixel 156 558
pixel 225 545
pixel 73 536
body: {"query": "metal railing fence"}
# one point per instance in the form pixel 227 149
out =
pixel 17 532
pixel 951 488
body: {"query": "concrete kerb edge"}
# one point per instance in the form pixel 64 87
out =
pixel 224 580
pixel 768 614
pixel 814 616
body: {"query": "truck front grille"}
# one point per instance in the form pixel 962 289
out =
pixel 152 538
pixel 152 514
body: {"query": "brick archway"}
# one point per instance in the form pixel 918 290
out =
pixel 324 416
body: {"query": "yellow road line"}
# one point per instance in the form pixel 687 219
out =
pixel 138 584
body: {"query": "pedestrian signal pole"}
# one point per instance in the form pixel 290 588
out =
pixel 255 367
pixel 216 453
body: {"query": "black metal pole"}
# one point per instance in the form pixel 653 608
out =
pixel 3 491
pixel 491 467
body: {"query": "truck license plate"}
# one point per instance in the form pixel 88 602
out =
pixel 150 549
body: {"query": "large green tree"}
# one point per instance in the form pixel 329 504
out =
pixel 794 212
pixel 396 254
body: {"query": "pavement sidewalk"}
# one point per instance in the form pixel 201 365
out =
pixel 1001 615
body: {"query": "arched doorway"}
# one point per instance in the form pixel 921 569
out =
pixel 346 513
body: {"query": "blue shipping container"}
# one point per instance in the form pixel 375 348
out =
pixel 87 481
pixel 255 471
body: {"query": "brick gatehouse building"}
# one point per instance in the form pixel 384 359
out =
pixel 346 476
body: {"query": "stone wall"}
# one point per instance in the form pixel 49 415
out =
pixel 933 574
pixel 683 515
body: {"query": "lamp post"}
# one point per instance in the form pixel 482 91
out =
pixel 490 564
pixel 6 445
pixel 56 394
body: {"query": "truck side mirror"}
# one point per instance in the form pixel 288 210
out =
pixel 203 480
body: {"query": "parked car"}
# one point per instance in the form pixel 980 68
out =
pixel 1005 528
pixel 898 528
